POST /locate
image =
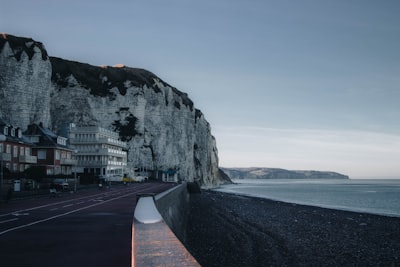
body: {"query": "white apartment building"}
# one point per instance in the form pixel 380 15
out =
pixel 98 151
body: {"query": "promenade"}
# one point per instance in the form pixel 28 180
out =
pixel 89 228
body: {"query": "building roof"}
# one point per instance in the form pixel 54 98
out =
pixel 47 138
pixel 16 137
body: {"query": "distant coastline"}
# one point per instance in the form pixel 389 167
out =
pixel 276 173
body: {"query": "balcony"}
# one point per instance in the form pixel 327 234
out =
pixel 103 152
pixel 103 140
pixel 5 156
pixel 92 163
pixel 28 159
pixel 68 161
pixel 112 152
pixel 101 163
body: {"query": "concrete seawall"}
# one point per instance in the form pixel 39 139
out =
pixel 173 206
pixel 156 239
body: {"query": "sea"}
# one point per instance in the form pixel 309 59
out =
pixel 375 196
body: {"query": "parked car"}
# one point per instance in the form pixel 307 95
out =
pixel 64 186
pixel 141 178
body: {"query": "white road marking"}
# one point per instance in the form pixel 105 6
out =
pixel 20 214
pixel 10 220
pixel 52 204
pixel 64 214
pixel 69 205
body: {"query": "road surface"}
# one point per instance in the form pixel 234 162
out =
pixel 89 228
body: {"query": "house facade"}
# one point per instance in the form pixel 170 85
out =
pixel 15 151
pixel 100 153
pixel 51 150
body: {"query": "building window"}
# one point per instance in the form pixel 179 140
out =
pixel 8 149
pixel 15 167
pixel 1 148
pixel 15 151
pixel 57 170
pixel 41 154
pixel 57 155
pixel 28 151
pixel 61 140
pixel 5 131
pixel 21 167
pixel 22 151
pixel 12 132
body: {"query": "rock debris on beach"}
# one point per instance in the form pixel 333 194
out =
pixel 231 230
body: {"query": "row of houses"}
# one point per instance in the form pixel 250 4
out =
pixel 91 152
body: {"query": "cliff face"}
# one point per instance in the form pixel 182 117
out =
pixel 25 72
pixel 160 124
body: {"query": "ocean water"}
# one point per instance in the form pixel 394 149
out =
pixel 371 196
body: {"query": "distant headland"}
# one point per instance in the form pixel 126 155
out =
pixel 275 173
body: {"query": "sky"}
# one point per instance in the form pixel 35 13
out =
pixel 299 85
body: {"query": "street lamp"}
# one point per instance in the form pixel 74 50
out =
pixel 76 163
pixel 75 180
pixel 2 139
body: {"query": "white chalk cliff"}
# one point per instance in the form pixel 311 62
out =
pixel 25 72
pixel 162 127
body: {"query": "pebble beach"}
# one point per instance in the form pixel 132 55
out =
pixel 232 230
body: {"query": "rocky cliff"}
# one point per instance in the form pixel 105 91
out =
pixel 25 72
pixel 161 125
pixel 274 173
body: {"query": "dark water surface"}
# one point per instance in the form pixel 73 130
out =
pixel 371 196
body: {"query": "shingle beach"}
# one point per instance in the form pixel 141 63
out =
pixel 231 230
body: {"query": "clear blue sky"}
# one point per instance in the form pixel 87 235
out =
pixel 301 84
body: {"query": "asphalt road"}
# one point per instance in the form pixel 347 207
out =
pixel 88 228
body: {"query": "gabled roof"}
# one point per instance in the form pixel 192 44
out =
pixel 13 138
pixel 47 138
pixel 49 133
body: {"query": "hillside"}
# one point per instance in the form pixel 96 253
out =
pixel 275 173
